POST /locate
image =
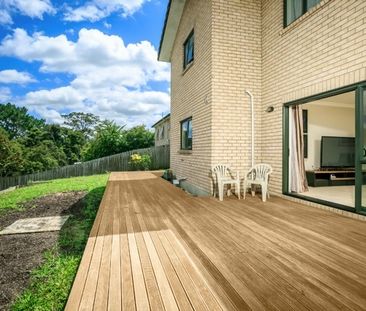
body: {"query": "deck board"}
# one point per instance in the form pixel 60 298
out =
pixel 154 247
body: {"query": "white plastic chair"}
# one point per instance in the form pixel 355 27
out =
pixel 224 176
pixel 258 175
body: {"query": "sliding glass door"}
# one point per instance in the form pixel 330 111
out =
pixel 356 197
pixel 361 149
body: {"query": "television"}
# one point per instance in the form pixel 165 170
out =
pixel 337 152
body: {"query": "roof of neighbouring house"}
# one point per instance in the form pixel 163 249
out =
pixel 162 120
pixel 172 19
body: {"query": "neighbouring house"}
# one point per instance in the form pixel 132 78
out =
pixel 304 61
pixel 162 131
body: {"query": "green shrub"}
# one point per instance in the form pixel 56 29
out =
pixel 140 162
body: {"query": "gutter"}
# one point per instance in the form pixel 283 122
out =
pixel 164 27
pixel 161 120
pixel 171 25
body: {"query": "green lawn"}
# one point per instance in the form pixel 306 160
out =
pixel 12 200
pixel 51 282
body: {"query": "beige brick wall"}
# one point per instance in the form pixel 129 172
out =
pixel 191 95
pixel 323 50
pixel 241 44
pixel 236 67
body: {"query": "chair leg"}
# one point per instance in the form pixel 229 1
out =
pixel 237 189
pixel 221 191
pixel 264 193
pixel 245 189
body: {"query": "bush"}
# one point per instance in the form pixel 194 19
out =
pixel 140 162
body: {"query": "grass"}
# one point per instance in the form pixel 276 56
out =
pixel 13 199
pixel 50 283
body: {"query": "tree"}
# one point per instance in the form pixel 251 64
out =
pixel 11 158
pixel 16 121
pixel 138 137
pixel 69 140
pixel 111 139
pixel 108 141
pixel 85 123
pixel 43 156
pixel 33 137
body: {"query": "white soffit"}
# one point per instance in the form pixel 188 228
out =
pixel 174 14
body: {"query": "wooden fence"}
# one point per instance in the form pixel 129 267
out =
pixel 160 159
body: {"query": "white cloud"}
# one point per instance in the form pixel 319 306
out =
pixel 119 104
pixel 48 114
pixel 5 17
pixel 94 51
pixel 5 94
pixel 98 9
pixel 110 78
pixel 33 9
pixel 15 77
pixel 60 97
pixel 107 25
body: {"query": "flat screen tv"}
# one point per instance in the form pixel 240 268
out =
pixel 337 152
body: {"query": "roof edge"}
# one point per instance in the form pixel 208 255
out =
pixel 172 20
pixel 161 120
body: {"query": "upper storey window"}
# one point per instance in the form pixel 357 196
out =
pixel 188 50
pixel 295 8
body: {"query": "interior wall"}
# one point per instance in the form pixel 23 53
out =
pixel 325 120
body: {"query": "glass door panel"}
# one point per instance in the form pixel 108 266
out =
pixel 363 189
pixel 360 195
pixel 363 134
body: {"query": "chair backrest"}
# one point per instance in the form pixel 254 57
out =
pixel 261 171
pixel 221 170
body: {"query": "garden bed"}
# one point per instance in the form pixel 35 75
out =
pixel 21 253
pixel 37 270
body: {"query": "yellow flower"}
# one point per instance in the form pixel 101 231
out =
pixel 135 157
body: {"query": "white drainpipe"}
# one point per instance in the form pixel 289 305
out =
pixel 252 107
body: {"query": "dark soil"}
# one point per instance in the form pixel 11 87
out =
pixel 21 253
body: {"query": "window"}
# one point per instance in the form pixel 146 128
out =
pixel 305 131
pixel 295 8
pixel 162 133
pixel 188 50
pixel 186 134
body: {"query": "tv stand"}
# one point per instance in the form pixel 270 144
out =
pixel 331 177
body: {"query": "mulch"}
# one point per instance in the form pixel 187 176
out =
pixel 21 253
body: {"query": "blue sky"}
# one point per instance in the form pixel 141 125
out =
pixel 97 56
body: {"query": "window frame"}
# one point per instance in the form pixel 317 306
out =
pixel 304 10
pixel 187 63
pixel 181 133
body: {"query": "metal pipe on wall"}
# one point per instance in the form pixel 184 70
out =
pixel 252 108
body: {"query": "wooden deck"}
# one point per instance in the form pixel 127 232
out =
pixel 154 247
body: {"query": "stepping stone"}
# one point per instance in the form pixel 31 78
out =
pixel 31 225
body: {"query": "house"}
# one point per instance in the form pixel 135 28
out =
pixel 303 61
pixel 162 131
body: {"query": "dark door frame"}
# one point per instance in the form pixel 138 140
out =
pixel 358 88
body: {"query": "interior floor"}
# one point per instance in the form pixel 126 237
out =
pixel 344 195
